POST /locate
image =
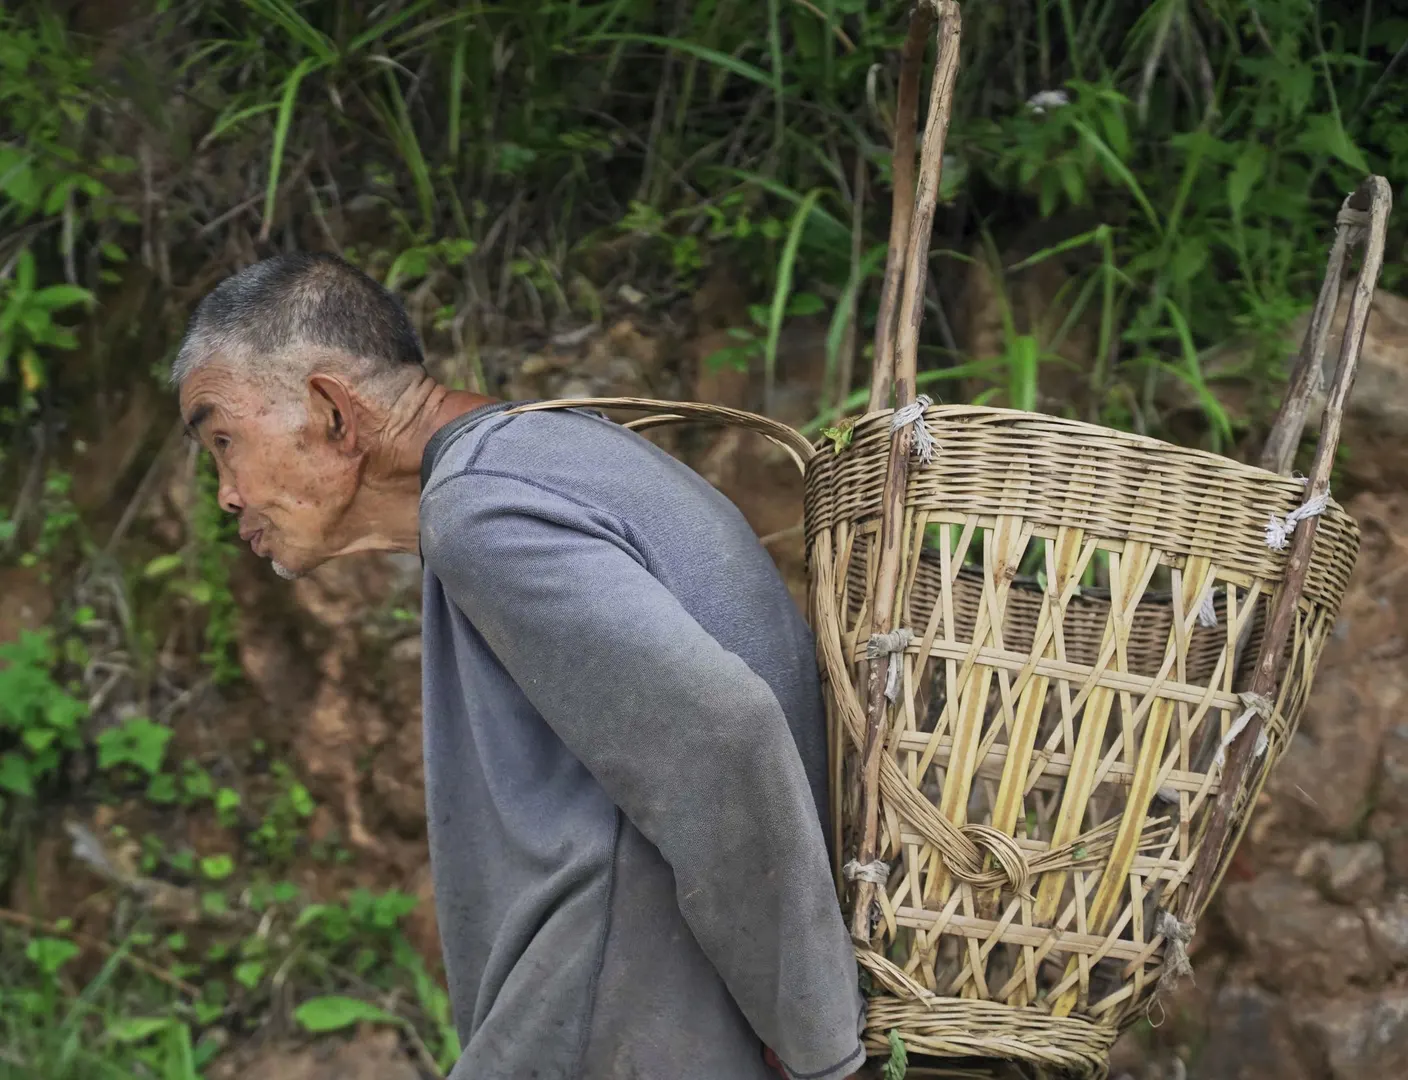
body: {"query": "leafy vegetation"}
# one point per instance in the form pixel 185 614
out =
pixel 519 167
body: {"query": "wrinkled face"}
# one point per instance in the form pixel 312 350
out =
pixel 283 468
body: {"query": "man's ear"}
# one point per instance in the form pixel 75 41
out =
pixel 333 411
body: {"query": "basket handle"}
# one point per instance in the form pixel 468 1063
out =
pixel 1367 210
pixel 660 413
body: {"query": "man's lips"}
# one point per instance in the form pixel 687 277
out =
pixel 252 538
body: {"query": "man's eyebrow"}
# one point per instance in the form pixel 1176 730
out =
pixel 198 416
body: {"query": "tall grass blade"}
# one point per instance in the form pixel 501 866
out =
pixel 870 264
pixel 281 126
pixel 786 268
pixel 388 24
pixel 722 60
pixel 1121 170
pixel 1192 374
pixel 299 28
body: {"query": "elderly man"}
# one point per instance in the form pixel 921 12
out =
pixel 624 749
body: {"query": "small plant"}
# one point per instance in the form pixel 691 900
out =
pixel 279 832
pixel 41 717
pixel 136 742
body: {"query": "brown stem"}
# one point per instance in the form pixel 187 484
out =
pixel 902 205
pixel 1279 452
pixel 897 472
pixel 926 199
pixel 1218 839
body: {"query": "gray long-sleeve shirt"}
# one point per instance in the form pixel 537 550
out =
pixel 625 768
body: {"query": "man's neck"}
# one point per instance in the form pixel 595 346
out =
pixel 390 494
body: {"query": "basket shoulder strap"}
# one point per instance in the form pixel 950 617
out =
pixel 658 413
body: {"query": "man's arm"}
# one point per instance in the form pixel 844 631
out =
pixel 683 736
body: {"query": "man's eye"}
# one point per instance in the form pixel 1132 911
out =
pixel 221 442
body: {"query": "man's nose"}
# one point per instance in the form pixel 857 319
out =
pixel 230 500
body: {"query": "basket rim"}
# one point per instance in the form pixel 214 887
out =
pixel 1136 441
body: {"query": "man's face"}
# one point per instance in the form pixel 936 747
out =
pixel 281 470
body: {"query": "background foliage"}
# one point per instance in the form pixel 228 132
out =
pixel 509 168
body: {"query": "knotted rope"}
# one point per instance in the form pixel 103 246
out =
pixel 877 872
pixel 892 645
pixel 1255 703
pixel 1176 934
pixel 913 413
pixel 1278 530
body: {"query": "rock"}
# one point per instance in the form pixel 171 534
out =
pixel 1360 1039
pixel 1388 930
pixel 1388 824
pixel 1250 1037
pixel 375 1055
pixel 1324 782
pixel 1348 873
pixel 1294 938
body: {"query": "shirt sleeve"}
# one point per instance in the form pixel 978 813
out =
pixel 682 735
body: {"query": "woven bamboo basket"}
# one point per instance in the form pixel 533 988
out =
pixel 1048 758
pixel 1037 784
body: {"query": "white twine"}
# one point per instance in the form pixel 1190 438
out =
pixel 891 645
pixel 1176 934
pixel 913 413
pixel 877 872
pixel 1207 610
pixel 1255 703
pixel 1278 530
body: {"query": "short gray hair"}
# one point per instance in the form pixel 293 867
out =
pixel 259 318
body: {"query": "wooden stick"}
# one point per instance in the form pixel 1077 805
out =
pixel 902 203
pixel 897 472
pixel 1279 453
pixel 1374 196
pixel 926 199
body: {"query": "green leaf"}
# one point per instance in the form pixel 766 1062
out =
pixel 805 303
pixel 1188 259
pixel 39 739
pixel 840 435
pixel 249 974
pixel 898 1065
pixel 50 954
pixel 162 789
pixel 57 297
pixel 138 1029
pixel 333 1013
pixel 14 775
pixel 1245 175
pixel 162 565
pixel 217 867
pixel 138 742
pixel 1324 134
